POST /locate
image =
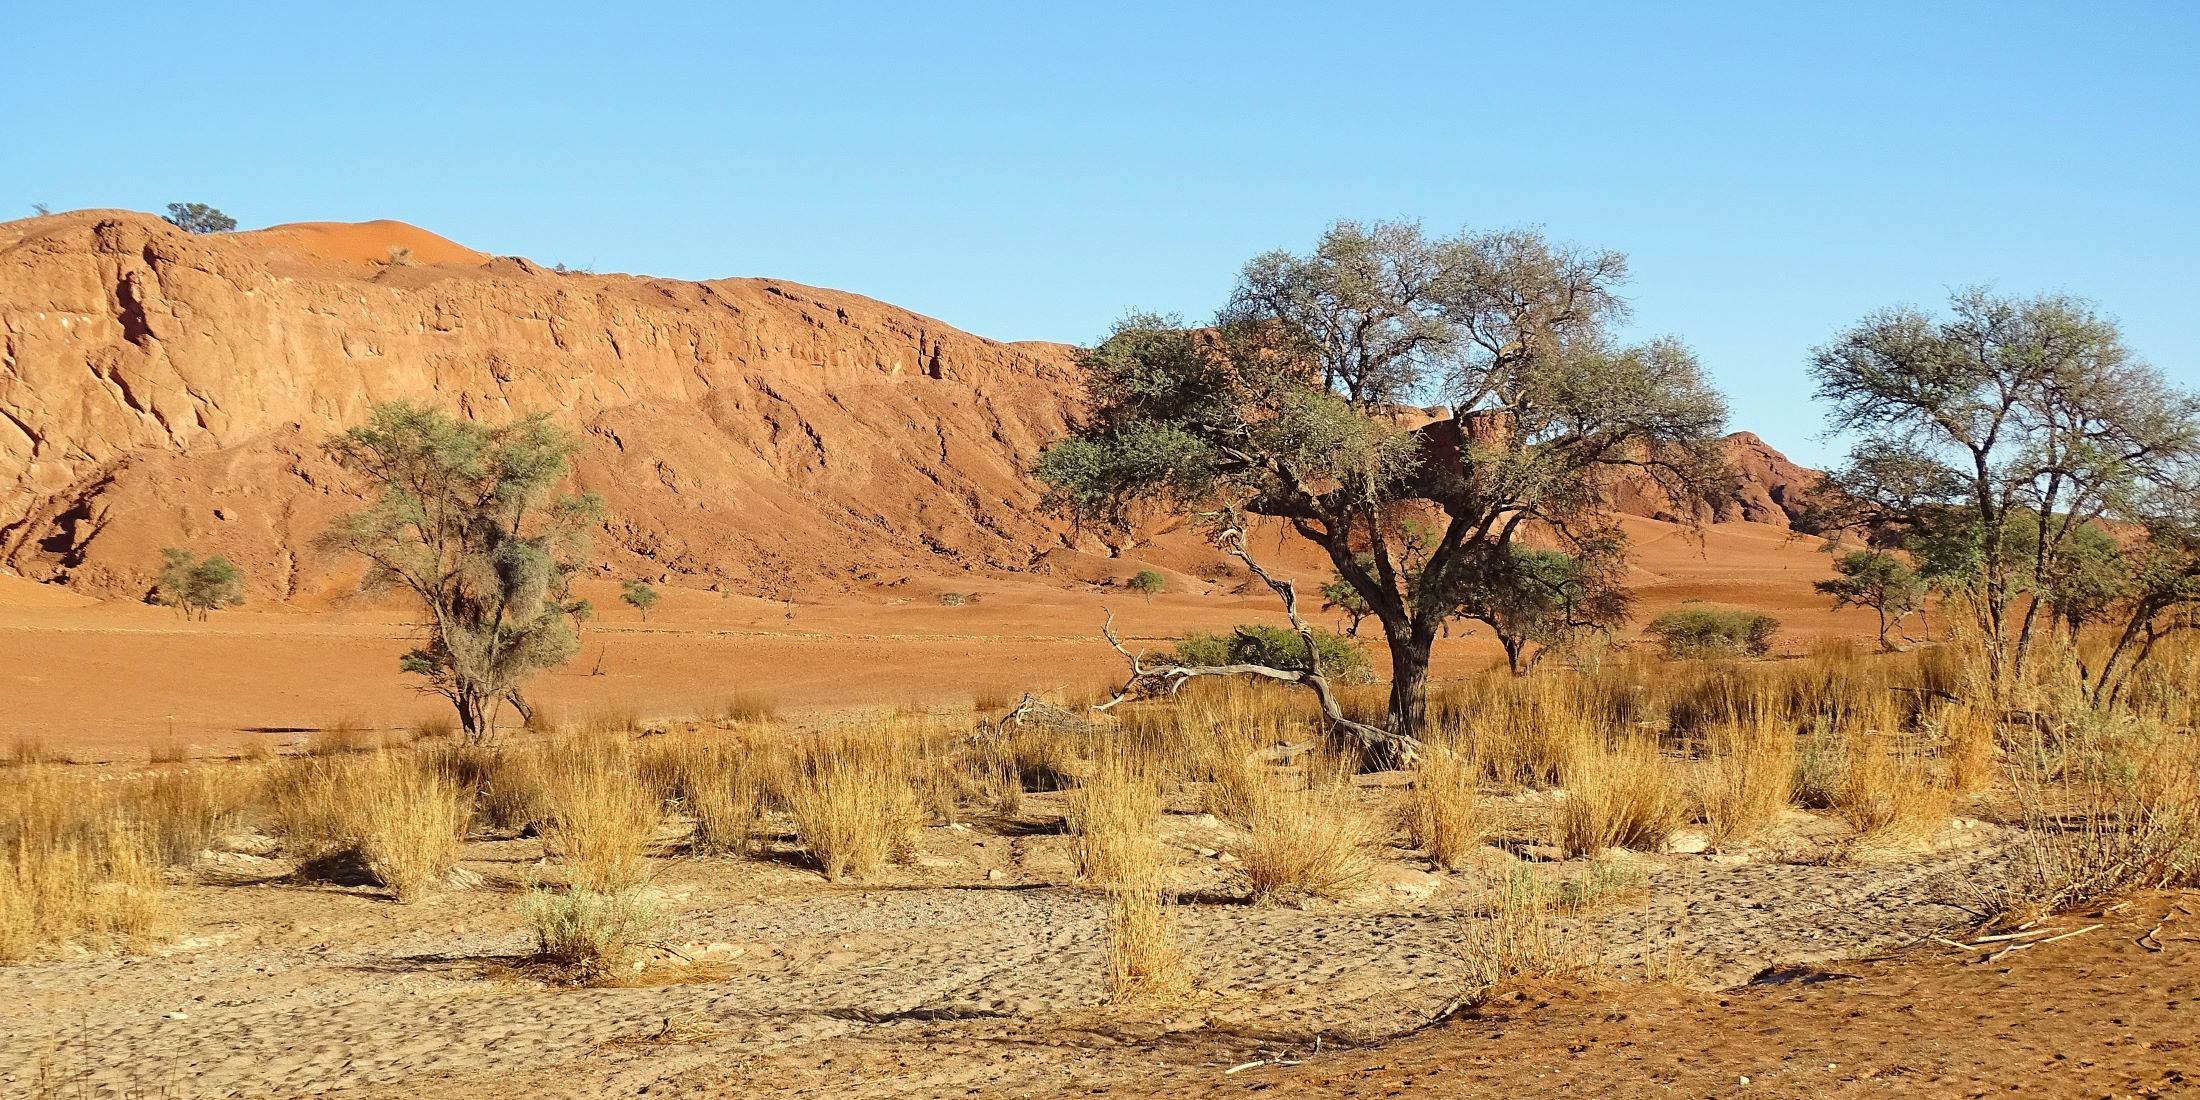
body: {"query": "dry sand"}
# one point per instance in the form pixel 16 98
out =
pixel 979 971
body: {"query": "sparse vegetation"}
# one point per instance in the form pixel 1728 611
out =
pixel 1341 658
pixel 1147 583
pixel 1313 840
pixel 854 801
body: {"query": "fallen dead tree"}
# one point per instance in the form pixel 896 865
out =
pixel 1376 747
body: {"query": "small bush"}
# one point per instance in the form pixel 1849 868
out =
pixel 1147 583
pixel 1342 659
pixel 400 256
pixel 591 933
pixel 638 595
pixel 1704 631
pixel 196 587
pixel 953 599
pixel 197 217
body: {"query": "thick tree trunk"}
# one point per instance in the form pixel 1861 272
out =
pixel 1408 681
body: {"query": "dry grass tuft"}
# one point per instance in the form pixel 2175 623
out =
pixel 184 811
pixel 747 708
pixel 1746 780
pixel 2108 805
pixel 168 750
pixel 1115 815
pixel 598 814
pixel 1314 840
pixel 1447 820
pixel 1515 934
pixel 399 814
pixel 853 795
pixel 74 865
pixel 1888 793
pixel 1624 796
pixel 1144 960
pixel 341 736
pixel 28 751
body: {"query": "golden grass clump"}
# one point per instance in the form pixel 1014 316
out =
pixel 73 865
pixel 1144 959
pixel 184 811
pixel 1888 793
pixel 1115 816
pixel 1446 816
pixel 29 750
pixel 717 779
pixel 1625 796
pixel 399 814
pixel 598 813
pixel 854 799
pixel 1746 780
pixel 1314 840
pixel 343 735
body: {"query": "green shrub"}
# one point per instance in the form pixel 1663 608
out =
pixel 1277 647
pixel 1147 583
pixel 1709 631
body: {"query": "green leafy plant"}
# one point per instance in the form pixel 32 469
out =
pixel 195 587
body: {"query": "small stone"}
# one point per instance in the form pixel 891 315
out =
pixel 179 1015
pixel 993 874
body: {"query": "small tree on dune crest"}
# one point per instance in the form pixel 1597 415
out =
pixel 196 587
pixel 469 518
pixel 197 217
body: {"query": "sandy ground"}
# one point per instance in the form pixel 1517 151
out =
pixel 102 680
pixel 978 970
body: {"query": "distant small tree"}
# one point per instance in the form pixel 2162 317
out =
pixel 469 518
pixel 1881 581
pixel 1549 599
pixel 1279 647
pixel 41 209
pixel 195 587
pixel 197 217
pixel 1147 583
pixel 639 596
pixel 1339 595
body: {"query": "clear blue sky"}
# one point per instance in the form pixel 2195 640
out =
pixel 1032 170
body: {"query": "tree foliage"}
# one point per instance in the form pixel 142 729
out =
pixel 195 587
pixel 1306 402
pixel 1998 442
pixel 468 517
pixel 1147 583
pixel 197 217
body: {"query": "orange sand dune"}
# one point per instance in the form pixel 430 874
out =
pixel 361 242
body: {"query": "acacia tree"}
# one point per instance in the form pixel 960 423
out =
pixel 468 517
pixel 2161 589
pixel 1548 599
pixel 1297 405
pixel 639 595
pixel 196 587
pixel 1881 581
pixel 1995 437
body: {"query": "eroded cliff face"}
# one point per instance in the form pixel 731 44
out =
pixel 161 389
pixel 158 388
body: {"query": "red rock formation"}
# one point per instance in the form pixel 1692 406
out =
pixel 162 389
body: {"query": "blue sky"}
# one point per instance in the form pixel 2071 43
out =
pixel 1031 171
